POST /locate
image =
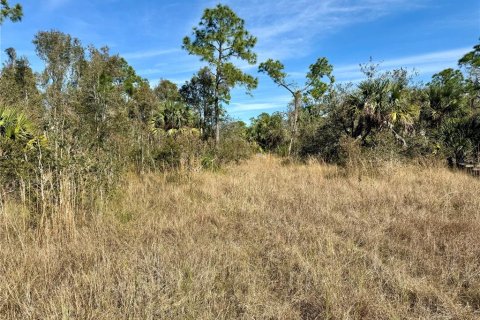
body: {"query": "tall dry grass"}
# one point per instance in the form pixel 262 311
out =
pixel 257 241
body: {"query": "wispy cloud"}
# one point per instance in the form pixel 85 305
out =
pixel 277 103
pixel 243 107
pixel 287 28
pixel 428 58
pixel 184 67
pixel 422 64
pixel 149 53
pixel 425 63
pixel 54 4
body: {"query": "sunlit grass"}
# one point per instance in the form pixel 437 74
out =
pixel 263 240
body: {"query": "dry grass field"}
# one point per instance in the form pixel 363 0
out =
pixel 262 240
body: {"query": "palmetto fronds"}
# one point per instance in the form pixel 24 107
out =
pixel 16 126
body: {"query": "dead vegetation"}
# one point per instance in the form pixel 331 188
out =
pixel 263 240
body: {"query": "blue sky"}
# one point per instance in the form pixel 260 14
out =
pixel 428 35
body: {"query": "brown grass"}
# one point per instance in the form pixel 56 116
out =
pixel 257 241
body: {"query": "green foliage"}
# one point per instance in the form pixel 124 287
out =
pixel 472 58
pixel 446 98
pixel 268 131
pixel 20 145
pixel 13 14
pixel 275 70
pixel 172 115
pixel 221 31
pixel 389 117
pixel 314 88
pixel 177 115
pixel 15 126
pixel 219 38
pixel 68 133
pixel 314 85
pixel 235 145
pixel 209 161
pixel 168 156
pixel 18 86
pixel 167 91
pixel 143 103
pixel 101 118
pixel 63 57
pixel 178 149
pixel 102 109
pixel 382 102
pixel 448 114
pixel 199 95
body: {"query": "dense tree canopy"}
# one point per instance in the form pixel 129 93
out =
pixel 268 131
pixel 199 94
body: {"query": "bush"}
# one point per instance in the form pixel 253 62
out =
pixel 180 149
pixel 234 146
pixel 269 132
pixel 349 152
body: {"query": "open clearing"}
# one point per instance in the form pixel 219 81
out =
pixel 260 240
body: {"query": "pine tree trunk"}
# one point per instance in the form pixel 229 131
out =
pixel 217 123
pixel 296 103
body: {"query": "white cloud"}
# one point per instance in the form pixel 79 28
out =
pixel 422 64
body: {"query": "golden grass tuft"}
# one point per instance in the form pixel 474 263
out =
pixel 262 240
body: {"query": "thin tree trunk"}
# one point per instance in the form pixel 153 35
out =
pixel 217 93
pixel 297 97
pixel 217 123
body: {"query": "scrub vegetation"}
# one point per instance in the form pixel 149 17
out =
pixel 119 199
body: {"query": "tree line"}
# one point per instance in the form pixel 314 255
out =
pixel 68 132
pixel 386 114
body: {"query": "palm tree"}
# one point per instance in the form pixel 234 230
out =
pixel 384 103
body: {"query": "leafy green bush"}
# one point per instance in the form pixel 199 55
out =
pixel 269 132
